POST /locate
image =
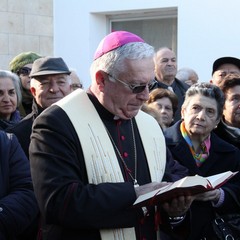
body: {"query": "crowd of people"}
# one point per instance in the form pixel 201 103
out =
pixel 74 161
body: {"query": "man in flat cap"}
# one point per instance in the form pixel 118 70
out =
pixel 93 153
pixel 223 66
pixel 50 82
pixel 22 65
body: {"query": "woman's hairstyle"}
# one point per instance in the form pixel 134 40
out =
pixel 16 82
pixel 159 93
pixel 207 90
pixel 113 61
pixel 230 81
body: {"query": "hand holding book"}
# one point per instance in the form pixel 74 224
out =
pixel 187 186
pixel 212 195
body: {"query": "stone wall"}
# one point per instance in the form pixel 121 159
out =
pixel 25 25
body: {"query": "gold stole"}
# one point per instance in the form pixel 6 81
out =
pixel 100 158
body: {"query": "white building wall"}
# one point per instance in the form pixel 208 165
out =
pixel 206 30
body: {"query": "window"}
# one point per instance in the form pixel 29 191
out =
pixel 158 28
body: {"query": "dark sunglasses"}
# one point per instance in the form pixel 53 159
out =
pixel 136 88
pixel 24 71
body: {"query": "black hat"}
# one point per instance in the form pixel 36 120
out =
pixel 49 66
pixel 223 60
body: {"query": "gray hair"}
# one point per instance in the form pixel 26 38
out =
pixel 16 82
pixel 113 61
pixel 184 74
pixel 207 90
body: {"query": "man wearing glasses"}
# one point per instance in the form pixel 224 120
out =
pixel 93 153
pixel 22 65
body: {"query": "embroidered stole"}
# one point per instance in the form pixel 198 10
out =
pixel 100 158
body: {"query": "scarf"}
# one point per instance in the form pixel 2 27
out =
pixel 205 147
pixel 15 118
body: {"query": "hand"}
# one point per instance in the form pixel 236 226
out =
pixel 212 195
pixel 149 187
pixel 178 206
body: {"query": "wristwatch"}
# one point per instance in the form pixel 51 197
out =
pixel 176 220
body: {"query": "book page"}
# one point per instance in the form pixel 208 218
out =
pixel 190 181
pixel 219 179
pixel 189 185
pixel 151 194
pixel 184 183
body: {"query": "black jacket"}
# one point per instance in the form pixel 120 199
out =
pixel 23 129
pixel 228 133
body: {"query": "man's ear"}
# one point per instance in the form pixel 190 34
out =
pixel 33 91
pixel 182 113
pixel 100 79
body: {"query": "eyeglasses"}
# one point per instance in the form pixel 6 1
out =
pixel 76 85
pixel 25 71
pixel 136 88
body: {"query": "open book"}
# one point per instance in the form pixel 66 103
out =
pixel 186 186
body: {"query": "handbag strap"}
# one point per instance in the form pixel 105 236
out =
pixel 222 230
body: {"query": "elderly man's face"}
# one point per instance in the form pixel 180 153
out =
pixel 165 65
pixel 76 83
pixel 118 98
pixel 231 110
pixel 49 89
pixel 222 71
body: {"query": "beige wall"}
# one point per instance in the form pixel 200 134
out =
pixel 25 25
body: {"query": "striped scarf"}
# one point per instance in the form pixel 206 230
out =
pixel 205 147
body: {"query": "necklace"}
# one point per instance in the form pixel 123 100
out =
pixel 134 179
